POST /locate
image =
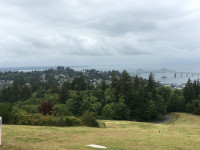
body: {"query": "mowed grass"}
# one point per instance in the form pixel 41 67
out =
pixel 183 133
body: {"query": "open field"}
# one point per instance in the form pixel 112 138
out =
pixel 183 133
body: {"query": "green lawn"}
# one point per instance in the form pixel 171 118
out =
pixel 183 133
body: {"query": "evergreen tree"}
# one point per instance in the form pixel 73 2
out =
pixel 176 103
pixel 136 83
pixel 151 83
pixel 189 92
pixel 79 84
pixel 125 87
pixel 64 94
pixel 74 102
pixel 165 92
pixel 103 85
pixel 196 86
pixel 107 111
pixel 114 81
pixel 151 111
pixel 151 86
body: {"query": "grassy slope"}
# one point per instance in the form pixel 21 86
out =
pixel 184 133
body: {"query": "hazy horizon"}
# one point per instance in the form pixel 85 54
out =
pixel 97 67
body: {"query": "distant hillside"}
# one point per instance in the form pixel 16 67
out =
pixel 139 71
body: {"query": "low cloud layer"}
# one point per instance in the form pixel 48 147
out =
pixel 77 32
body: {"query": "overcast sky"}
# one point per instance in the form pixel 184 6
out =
pixel 136 33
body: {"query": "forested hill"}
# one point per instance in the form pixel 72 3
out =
pixel 108 95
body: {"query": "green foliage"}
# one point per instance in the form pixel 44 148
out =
pixel 39 94
pixel 160 105
pixel 114 81
pixel 107 111
pixel 25 93
pixel 196 107
pixel 176 103
pixel 102 124
pixel 110 96
pixel 151 112
pixel 64 94
pixel 34 119
pixel 53 98
pixel 165 92
pixel 88 119
pixel 61 110
pixel 103 85
pixel 79 84
pixel 189 92
pixel 121 111
pixel 41 120
pixel 126 98
pixel 6 112
pixel 29 108
pixel 136 83
pixel 189 108
pixel 74 102
pixel 196 87
pixel 68 121
pixel 16 110
pixel 151 83
pixel 96 108
pixel 124 84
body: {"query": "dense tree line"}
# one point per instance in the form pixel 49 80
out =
pixel 125 98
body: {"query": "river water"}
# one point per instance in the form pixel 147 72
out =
pixel 170 79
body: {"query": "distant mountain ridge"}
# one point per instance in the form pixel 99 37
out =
pixel 140 71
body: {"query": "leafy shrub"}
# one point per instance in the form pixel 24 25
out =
pixel 29 108
pixel 34 119
pixel 61 110
pixel 107 111
pixel 189 107
pixel 102 124
pixel 16 110
pixel 88 119
pixel 24 118
pixel 69 121
pixel 46 108
pixel 6 112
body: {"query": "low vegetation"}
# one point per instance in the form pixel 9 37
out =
pixel 183 133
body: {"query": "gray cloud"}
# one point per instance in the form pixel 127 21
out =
pixel 47 32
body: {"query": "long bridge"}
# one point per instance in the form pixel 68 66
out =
pixel 186 74
pixel 176 74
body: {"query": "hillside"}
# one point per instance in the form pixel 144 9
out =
pixel 119 135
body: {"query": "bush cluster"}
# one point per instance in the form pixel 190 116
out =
pixel 68 121
pixel 89 120
pixel 24 118
pixel 6 112
pixel 34 119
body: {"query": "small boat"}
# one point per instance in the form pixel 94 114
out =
pixel 164 76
